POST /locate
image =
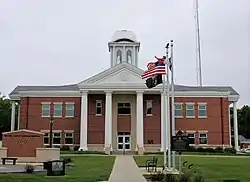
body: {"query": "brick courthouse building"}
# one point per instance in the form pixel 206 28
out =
pixel 115 110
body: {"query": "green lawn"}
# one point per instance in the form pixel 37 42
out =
pixel 213 168
pixel 87 169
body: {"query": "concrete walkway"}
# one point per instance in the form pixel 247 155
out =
pixel 125 169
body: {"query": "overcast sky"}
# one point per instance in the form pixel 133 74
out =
pixel 54 42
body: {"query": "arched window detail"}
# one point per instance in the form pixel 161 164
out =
pixel 118 57
pixel 129 57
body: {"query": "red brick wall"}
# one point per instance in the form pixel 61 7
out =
pixel 152 124
pixel 22 144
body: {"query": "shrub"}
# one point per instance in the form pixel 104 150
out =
pixel 200 149
pixel 209 150
pixel 218 150
pixel 65 148
pixel 29 168
pixel 230 150
pixel 192 149
pixel 76 148
pixel 67 160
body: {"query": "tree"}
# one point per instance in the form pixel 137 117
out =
pixel 243 116
pixel 5 114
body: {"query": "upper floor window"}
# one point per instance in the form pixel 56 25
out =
pixel 119 56
pixel 123 108
pixel 178 110
pixel 45 109
pixel 69 109
pixel 57 109
pixel 203 138
pixel 202 110
pixel 190 110
pixel 149 107
pixel 129 56
pixel 98 107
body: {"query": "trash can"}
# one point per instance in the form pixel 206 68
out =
pixel 56 168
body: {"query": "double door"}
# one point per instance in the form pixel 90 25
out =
pixel 123 142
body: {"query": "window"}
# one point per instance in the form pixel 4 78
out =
pixel 45 109
pixel 149 107
pixel 98 107
pixel 57 138
pixel 124 108
pixel 178 110
pixel 118 57
pixel 57 109
pixel 202 110
pixel 46 138
pixel 203 138
pixel 191 137
pixel 69 110
pixel 68 138
pixel 129 56
pixel 189 110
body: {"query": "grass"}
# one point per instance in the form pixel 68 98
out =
pixel 213 168
pixel 82 152
pixel 87 169
pixel 201 153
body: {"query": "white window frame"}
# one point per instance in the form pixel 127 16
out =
pixel 149 103
pixel 98 106
pixel 199 105
pixel 190 104
pixel 65 137
pixel 54 132
pixel 203 137
pixel 43 104
pixel 71 109
pixel 192 144
pixel 46 137
pixel 180 104
pixel 57 104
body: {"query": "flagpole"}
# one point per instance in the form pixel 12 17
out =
pixel 172 100
pixel 167 115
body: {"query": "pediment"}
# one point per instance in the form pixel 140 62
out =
pixel 123 73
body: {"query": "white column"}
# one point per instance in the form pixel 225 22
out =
pixel 124 59
pixel 84 122
pixel 139 120
pixel 236 143
pixel 18 121
pixel 162 122
pixel 133 60
pixel 229 124
pixel 108 121
pixel 13 113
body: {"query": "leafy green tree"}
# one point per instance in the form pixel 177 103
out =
pixel 5 115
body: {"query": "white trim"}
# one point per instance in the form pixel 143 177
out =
pixel 233 98
pixel 57 131
pixel 58 103
pixel 23 130
pixel 202 131
pixel 68 131
pixel 202 104
pixel 45 103
pixel 69 103
pixel 44 131
pixel 191 131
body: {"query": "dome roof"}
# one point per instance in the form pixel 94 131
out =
pixel 123 35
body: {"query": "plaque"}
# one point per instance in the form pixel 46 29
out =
pixel 56 168
pixel 179 143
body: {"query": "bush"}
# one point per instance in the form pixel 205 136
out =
pixel 209 150
pixel 65 148
pixel 29 168
pixel 230 150
pixel 218 150
pixel 67 160
pixel 192 149
pixel 200 149
pixel 76 148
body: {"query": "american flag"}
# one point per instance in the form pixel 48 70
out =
pixel 154 68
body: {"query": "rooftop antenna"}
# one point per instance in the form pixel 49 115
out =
pixel 198 46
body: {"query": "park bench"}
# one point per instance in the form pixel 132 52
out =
pixel 4 159
pixel 151 164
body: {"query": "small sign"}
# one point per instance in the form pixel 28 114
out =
pixel 179 143
pixel 56 168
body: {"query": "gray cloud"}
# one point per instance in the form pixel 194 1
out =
pixel 46 42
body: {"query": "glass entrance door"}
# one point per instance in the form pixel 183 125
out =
pixel 123 143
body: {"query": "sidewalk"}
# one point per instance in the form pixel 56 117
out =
pixel 125 170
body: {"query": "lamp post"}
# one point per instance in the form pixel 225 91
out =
pixel 51 122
